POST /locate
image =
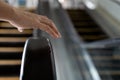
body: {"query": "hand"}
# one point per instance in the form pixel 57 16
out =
pixel 26 20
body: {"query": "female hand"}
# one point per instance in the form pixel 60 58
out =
pixel 26 20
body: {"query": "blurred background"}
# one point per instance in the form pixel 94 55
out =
pixel 88 49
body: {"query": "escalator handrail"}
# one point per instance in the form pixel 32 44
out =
pixel 36 45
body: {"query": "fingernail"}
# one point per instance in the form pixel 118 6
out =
pixel 58 36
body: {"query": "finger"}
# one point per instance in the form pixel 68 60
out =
pixel 56 30
pixel 47 21
pixel 47 29
pixel 20 30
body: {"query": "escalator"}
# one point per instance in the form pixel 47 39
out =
pixel 106 59
pixel 33 61
pixel 71 62
pixel 75 60
pixel 85 26
pixel 107 62
pixel 11 48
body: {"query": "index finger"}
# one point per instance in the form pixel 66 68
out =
pixel 50 23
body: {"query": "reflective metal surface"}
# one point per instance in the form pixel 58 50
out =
pixel 68 49
pixel 91 4
pixel 76 59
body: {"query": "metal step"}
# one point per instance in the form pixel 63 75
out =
pixel 9 78
pixel 88 30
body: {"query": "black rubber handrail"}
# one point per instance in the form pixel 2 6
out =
pixel 38 60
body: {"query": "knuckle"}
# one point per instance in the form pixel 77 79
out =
pixel 45 17
pixel 51 21
pixel 46 28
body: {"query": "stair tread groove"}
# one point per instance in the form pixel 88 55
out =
pixel 9 78
pixel 11 49
pixel 13 39
pixel 10 62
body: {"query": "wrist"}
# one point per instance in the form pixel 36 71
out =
pixel 10 16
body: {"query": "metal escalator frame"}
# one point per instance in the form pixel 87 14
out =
pixel 105 20
pixel 71 37
pixel 116 1
pixel 101 44
pixel 59 49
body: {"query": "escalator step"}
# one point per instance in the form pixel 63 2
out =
pixel 109 68
pixel 11 49
pixel 86 26
pixel 13 39
pixel 110 77
pixel 102 58
pixel 15 35
pixel 101 53
pixel 3 27
pixel 76 12
pixel 10 55
pixel 10 62
pixel 106 62
pixel 9 70
pixel 14 31
pixel 109 64
pixel 6 25
pixel 106 57
pixel 76 19
pixel 87 29
pixel 79 18
pixel 91 33
pixel 109 72
pixel 9 78
pixel 93 37
pixel 12 44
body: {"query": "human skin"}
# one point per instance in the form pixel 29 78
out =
pixel 25 20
